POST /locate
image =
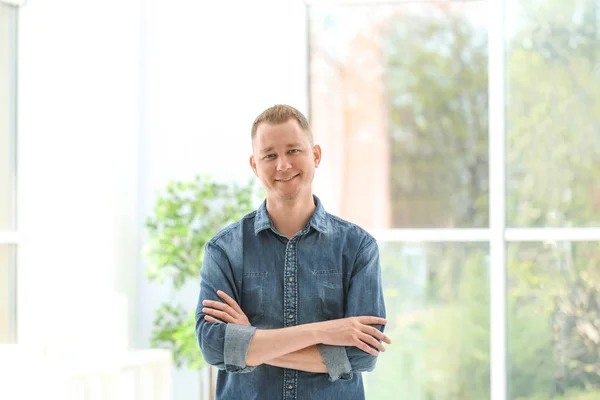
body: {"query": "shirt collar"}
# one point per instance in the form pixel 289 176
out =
pixel 318 219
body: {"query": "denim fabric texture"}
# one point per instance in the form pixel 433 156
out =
pixel 328 270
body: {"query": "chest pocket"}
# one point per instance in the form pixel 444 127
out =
pixel 330 294
pixel 253 288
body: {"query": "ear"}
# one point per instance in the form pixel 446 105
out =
pixel 317 155
pixel 253 165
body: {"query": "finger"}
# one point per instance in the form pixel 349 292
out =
pixel 223 316
pixel 376 333
pixel 369 320
pixel 211 319
pixel 370 340
pixel 220 306
pixel 231 302
pixel 366 348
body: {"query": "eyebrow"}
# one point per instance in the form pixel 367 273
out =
pixel 289 146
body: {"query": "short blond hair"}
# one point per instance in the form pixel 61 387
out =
pixel 279 114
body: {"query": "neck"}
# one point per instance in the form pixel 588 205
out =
pixel 290 216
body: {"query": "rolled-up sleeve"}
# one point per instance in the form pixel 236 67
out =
pixel 237 341
pixel 337 362
pixel 364 298
pixel 224 346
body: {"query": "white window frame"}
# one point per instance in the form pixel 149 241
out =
pixel 11 238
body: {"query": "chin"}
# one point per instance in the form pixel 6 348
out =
pixel 288 196
pixel 291 195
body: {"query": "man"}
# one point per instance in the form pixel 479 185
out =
pixel 291 303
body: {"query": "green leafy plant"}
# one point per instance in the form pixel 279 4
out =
pixel 186 216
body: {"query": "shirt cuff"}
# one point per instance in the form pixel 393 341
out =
pixel 237 342
pixel 336 361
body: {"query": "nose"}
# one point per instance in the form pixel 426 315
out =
pixel 283 164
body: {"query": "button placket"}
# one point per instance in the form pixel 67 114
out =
pixel 290 312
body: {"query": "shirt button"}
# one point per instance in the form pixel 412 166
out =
pixel 290 316
pixel 291 279
pixel 291 387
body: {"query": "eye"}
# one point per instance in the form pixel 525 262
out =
pixel 268 156
pixel 294 151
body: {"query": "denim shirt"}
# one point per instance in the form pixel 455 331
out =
pixel 328 270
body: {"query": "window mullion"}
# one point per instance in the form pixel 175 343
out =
pixel 497 201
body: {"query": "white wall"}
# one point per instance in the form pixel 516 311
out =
pixel 116 98
pixel 78 117
pixel 208 70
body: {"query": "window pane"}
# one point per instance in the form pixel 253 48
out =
pixel 7 117
pixel 7 293
pixel 437 299
pixel 553 113
pixel 554 320
pixel 399 102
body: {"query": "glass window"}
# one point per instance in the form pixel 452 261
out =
pixel 437 299
pixel 7 117
pixel 399 102
pixel 7 171
pixel 553 113
pixel 554 320
pixel 7 297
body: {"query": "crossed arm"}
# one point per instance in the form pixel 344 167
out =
pixel 296 347
pixel 338 347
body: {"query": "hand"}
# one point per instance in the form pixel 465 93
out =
pixel 229 312
pixel 354 331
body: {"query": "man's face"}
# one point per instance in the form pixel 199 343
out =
pixel 284 159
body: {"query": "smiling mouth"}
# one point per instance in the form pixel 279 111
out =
pixel 287 179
